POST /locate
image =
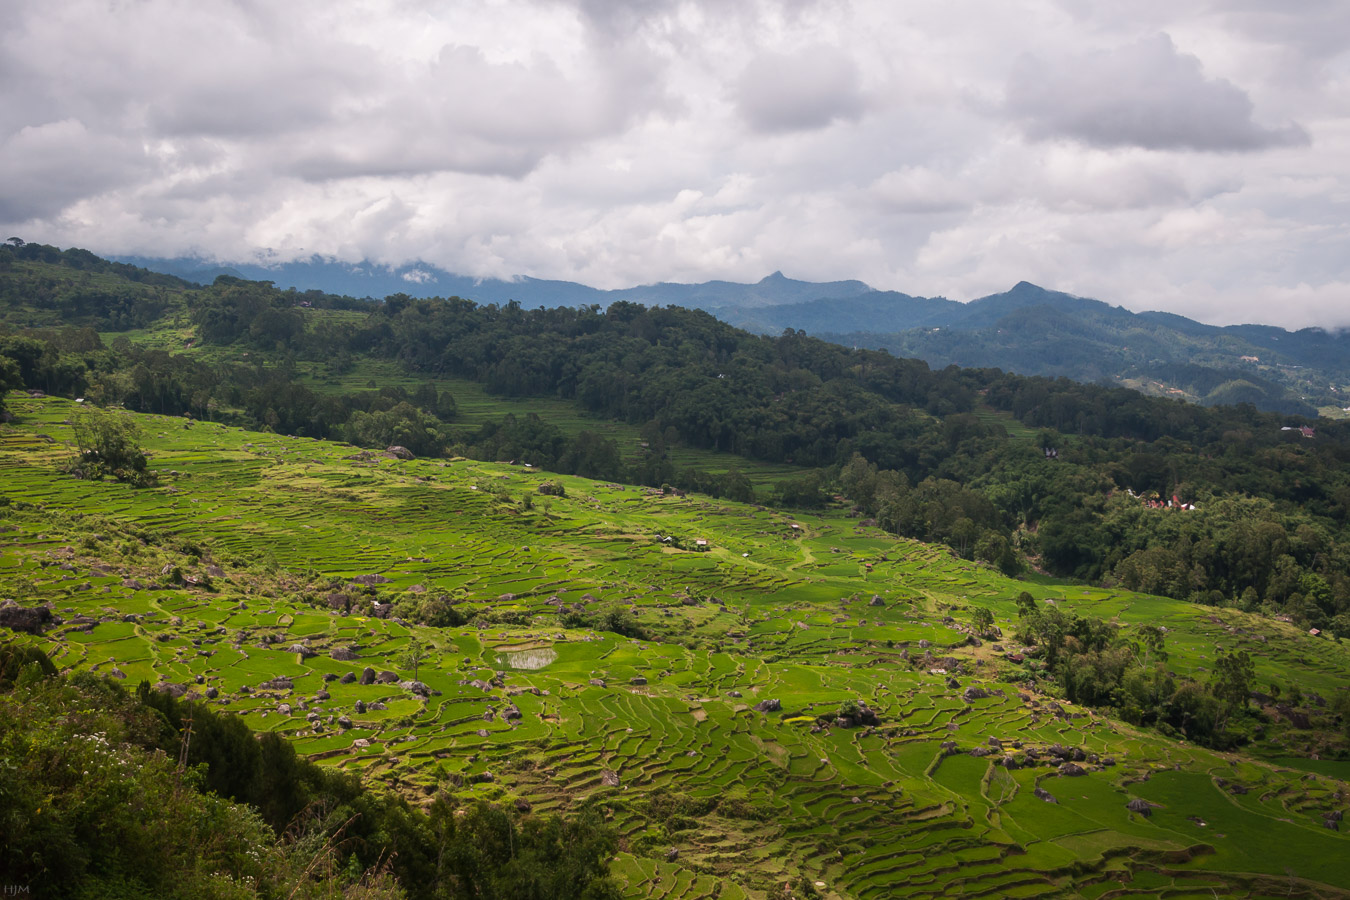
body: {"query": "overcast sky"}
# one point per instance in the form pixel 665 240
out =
pixel 1161 154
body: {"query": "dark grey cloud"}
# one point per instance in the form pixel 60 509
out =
pixel 800 90
pixel 45 168
pixel 1145 94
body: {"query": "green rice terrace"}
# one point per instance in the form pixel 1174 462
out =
pixel 810 705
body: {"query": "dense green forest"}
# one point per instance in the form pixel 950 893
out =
pixel 1034 331
pixel 1017 471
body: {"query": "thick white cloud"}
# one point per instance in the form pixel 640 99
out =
pixel 1183 154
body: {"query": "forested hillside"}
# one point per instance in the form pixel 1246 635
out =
pixel 1016 471
pixel 1027 329
pixel 1034 331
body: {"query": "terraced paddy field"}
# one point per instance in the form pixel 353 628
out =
pixel 265 575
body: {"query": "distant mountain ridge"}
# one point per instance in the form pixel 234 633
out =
pixel 424 280
pixel 1027 329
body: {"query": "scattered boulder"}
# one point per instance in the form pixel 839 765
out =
pixel 1043 794
pixel 277 684
pixel 1139 805
pixel 523 805
pixel 368 675
pixel 347 678
pixel 672 854
pixel 876 601
pixel 394 451
pixel 344 722
pixel 301 650
pixel 1296 717
pixel 609 778
pixel 211 692
pixel 768 706
pixel 972 693
pixel 31 620
pixel 736 694
pixel 360 707
pixel 386 677
pixel 597 682
pixel 482 778
pixel 638 680
pixel 371 579
pixel 343 654
pixel 1072 770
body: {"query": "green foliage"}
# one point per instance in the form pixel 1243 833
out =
pixel 107 444
pixel 484 854
pixel 91 807
pixel 1233 676
pixel 982 619
pixel 413 656
pixel 403 425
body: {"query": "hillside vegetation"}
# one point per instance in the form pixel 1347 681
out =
pixel 803 704
pixel 1011 470
pixel 1028 329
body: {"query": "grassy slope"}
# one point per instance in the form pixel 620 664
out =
pixel 864 814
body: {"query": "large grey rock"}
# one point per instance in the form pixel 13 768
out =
pixel 766 706
pixel 30 620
